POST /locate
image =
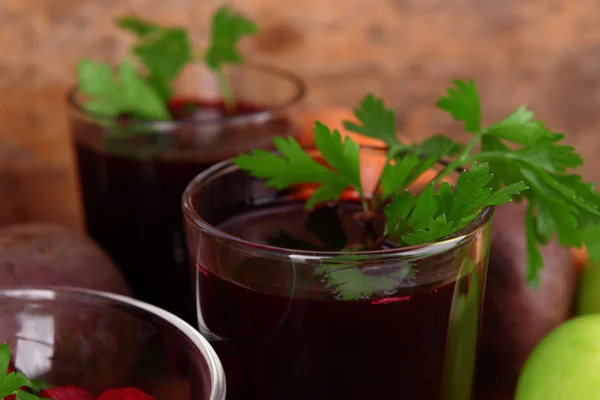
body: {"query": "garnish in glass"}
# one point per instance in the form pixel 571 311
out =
pixel 163 52
pixel 519 160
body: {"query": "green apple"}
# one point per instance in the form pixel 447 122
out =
pixel 565 365
pixel 588 299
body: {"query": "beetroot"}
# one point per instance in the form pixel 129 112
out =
pixel 48 255
pixel 67 393
pixel 515 316
pixel 125 394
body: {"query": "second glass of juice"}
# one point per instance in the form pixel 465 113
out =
pixel 294 317
pixel 133 173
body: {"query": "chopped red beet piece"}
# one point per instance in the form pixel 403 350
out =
pixel 67 393
pixel 125 394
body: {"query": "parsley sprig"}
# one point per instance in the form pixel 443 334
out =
pixel 519 160
pixel 163 52
pixel 13 383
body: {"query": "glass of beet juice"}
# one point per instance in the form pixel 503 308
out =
pixel 133 172
pixel 391 323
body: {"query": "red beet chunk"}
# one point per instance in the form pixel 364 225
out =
pixel 67 393
pixel 125 394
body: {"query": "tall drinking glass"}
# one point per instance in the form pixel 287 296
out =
pixel 293 317
pixel 133 173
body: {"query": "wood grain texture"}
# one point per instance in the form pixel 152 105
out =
pixel 545 53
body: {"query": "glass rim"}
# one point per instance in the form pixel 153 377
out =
pixel 215 368
pixel 75 108
pixel 227 166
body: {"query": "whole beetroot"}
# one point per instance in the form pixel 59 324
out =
pixel 515 316
pixel 88 346
pixel 48 255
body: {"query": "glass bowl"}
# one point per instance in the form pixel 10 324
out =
pixel 102 341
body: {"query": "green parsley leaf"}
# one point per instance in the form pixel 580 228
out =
pixel 425 208
pixel 134 89
pixel 295 166
pixel 439 146
pixel 435 216
pixel 12 382
pixel 226 31
pixel 470 192
pixel 343 156
pixel 519 127
pixel 544 227
pixel 377 122
pixel 163 51
pixel 4 359
pixel 435 229
pixel 560 203
pixel 505 172
pixel 397 213
pixel 137 26
pixel 22 395
pixel 127 93
pixel 590 234
pixel 349 282
pixel 535 262
pixel 97 81
pixel 396 175
pixel 38 385
pixel 505 194
pixel 462 103
pixel 551 157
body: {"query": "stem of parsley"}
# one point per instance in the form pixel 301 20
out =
pixel 463 159
pixel 226 92
pixel 376 199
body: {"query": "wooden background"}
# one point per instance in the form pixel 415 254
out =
pixel 544 53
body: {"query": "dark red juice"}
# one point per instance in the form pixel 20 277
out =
pixel 132 186
pixel 282 334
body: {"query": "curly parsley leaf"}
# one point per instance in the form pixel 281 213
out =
pixel 295 166
pixel 227 29
pixel 462 103
pixel 113 94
